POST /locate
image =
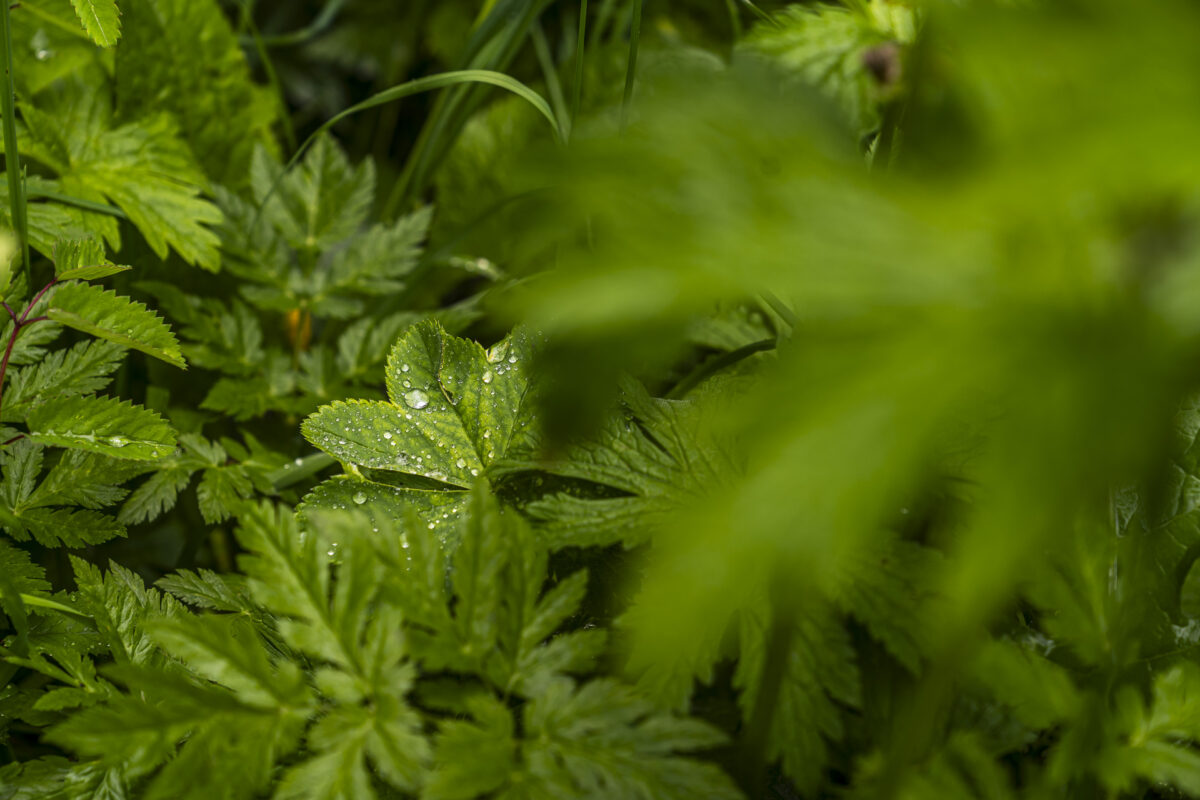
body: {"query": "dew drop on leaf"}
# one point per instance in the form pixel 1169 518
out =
pixel 416 399
pixel 360 498
pixel 462 462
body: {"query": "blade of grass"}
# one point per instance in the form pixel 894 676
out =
pixel 762 15
pixel 541 48
pixel 635 35
pixel 735 20
pixel 12 158
pixel 426 84
pixel 493 45
pixel 260 47
pixel 319 25
pixel 580 52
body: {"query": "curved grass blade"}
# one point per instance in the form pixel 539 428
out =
pixel 426 84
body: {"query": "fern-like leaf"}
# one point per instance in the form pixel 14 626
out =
pixel 104 314
pixel 102 425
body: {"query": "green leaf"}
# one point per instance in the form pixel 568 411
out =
pixel 206 589
pixel 821 679
pixel 92 273
pixel 455 409
pixel 102 313
pixel 289 574
pixel 102 425
pixel 158 494
pixel 221 113
pixel 603 740
pixel 100 19
pixel 473 758
pixel 123 609
pixel 660 455
pixel 141 167
pixel 76 479
pixel 85 368
pixel 320 202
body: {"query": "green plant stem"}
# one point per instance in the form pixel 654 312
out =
pixel 319 25
pixel 754 758
pixel 781 308
pixel 260 47
pixel 735 21
pixel 580 52
pixel 717 364
pixel 19 324
pixel 290 474
pixel 12 158
pixel 78 202
pixel 635 35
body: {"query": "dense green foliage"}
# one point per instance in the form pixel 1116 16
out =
pixel 538 399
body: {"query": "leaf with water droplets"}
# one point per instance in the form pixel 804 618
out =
pixel 454 410
pixel 102 425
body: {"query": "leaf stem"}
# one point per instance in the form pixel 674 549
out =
pixel 12 159
pixel 19 324
pixel 302 468
pixel 717 364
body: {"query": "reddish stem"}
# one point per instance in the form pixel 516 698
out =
pixel 19 325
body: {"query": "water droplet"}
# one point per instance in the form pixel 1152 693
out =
pixel 487 377
pixel 117 441
pixel 462 462
pixel 474 472
pixel 407 384
pixel 360 498
pixel 387 434
pixel 416 399
pixel 512 359
pixel 404 367
pixel 487 434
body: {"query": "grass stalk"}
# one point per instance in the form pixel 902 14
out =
pixel 580 51
pixel 635 35
pixel 12 158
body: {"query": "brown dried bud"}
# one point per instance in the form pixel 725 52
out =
pixel 883 62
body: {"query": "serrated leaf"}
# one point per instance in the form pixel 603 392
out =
pixel 455 409
pixel 603 740
pixel 143 167
pixel 122 608
pixel 318 203
pixel 100 19
pixel 206 589
pixel 222 113
pixel 83 369
pixel 92 273
pixel 102 425
pixel 61 527
pixel 157 495
pixel 660 456
pixel 103 313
